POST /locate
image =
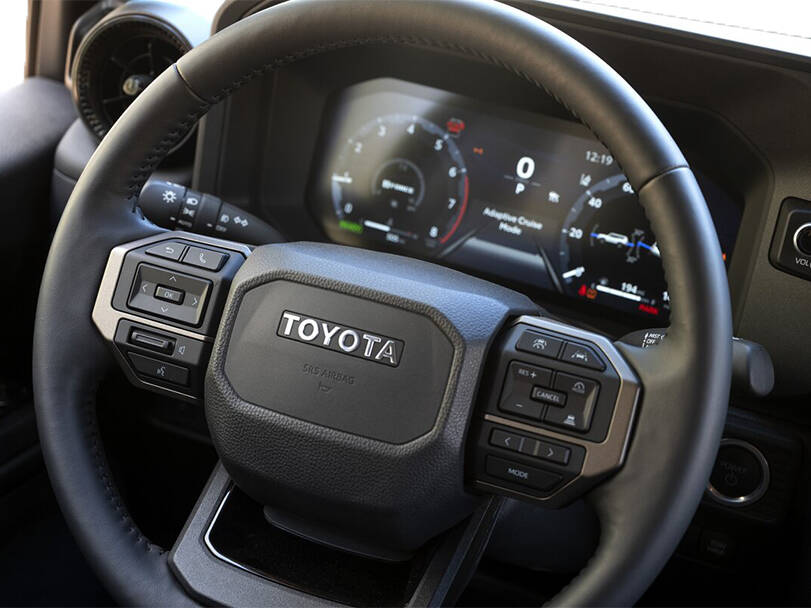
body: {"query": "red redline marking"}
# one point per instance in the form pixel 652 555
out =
pixel 458 221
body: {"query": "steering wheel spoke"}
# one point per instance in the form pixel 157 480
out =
pixel 228 549
pixel 159 306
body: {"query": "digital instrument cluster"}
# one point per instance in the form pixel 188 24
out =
pixel 529 200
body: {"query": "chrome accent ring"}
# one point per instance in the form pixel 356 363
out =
pixel 758 492
pixel 796 233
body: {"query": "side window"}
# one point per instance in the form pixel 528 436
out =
pixel 12 43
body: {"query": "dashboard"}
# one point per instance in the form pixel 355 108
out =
pixel 527 199
pixel 514 211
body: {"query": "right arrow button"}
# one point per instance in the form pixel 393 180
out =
pixel 553 453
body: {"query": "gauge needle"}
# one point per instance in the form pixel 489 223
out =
pixel 618 293
pixel 376 226
pixel 654 249
pixel 574 272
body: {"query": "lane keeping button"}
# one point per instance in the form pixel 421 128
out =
pixel 531 477
pixel 580 354
pixel 539 344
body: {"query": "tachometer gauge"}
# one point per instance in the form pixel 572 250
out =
pixel 609 253
pixel 400 179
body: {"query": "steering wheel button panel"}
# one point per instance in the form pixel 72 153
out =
pixel 204 258
pixel 539 344
pixel 158 315
pixel 577 401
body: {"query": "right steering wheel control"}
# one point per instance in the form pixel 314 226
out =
pixel 554 394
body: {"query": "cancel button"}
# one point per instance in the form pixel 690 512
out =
pixel 537 479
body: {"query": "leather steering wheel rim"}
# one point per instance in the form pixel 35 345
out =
pixel 644 509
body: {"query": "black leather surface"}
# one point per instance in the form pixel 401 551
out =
pixel 643 511
pixel 646 508
pixel 70 356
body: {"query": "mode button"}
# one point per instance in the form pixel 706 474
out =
pixel 537 479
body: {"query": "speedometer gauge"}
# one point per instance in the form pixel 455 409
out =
pixel 608 251
pixel 401 179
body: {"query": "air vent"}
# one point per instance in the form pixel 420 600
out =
pixel 116 61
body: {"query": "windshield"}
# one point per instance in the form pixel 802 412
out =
pixel 778 24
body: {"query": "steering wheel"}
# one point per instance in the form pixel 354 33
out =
pixel 398 456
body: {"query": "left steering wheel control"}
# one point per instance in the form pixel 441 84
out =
pixel 159 304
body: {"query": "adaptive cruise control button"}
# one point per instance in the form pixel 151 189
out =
pixel 525 408
pixel 539 344
pixel 531 477
pixel 577 387
pixel 580 354
pixel 529 373
pixel 547 395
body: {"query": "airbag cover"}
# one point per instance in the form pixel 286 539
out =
pixel 338 360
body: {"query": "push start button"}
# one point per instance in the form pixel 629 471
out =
pixel 740 475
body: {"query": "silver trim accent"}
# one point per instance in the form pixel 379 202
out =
pixel 106 318
pixel 794 238
pixel 601 458
pixel 217 554
pixel 757 493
